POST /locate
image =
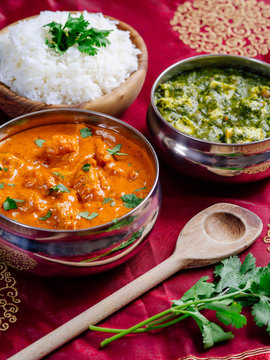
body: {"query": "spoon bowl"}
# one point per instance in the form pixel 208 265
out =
pixel 215 233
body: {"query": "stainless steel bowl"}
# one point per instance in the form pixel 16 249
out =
pixel 205 160
pixel 86 251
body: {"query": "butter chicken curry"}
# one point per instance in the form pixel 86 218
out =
pixel 71 176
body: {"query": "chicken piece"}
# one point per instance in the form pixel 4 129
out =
pixel 88 185
pixel 60 150
pixel 101 154
pixel 133 175
pixel 112 169
pixel 9 165
pixel 60 145
pixel 39 179
pixel 64 215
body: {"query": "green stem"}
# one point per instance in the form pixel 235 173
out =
pixel 135 327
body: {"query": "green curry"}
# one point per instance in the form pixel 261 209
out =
pixel 219 105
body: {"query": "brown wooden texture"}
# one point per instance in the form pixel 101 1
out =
pixel 113 103
pixel 212 235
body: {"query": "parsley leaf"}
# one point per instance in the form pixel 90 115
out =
pixel 46 217
pixel 76 32
pixel 2 185
pixel 143 188
pixel 87 216
pixel 86 167
pixel 39 142
pixel 115 150
pixel 10 203
pixel 85 132
pixel 60 187
pixel 131 200
pixel 58 174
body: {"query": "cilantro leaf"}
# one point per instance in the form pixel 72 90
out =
pixel 107 200
pixel 86 167
pixel 85 132
pixel 229 273
pixel 60 187
pixel 143 188
pixel 46 217
pixel 211 332
pixel 10 203
pixel 39 142
pixel 201 289
pixel 115 150
pixel 76 32
pixel 87 216
pixel 131 200
pixel 228 314
pixel 58 174
pixel 261 313
pixel 2 185
pixel 249 264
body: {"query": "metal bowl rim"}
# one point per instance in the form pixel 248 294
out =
pixel 171 67
pixel 105 225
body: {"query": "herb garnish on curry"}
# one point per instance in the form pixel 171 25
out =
pixel 218 105
pixel 71 176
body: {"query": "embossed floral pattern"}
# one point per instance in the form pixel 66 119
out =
pixel 8 298
pixel 239 27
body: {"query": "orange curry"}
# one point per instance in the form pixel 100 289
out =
pixel 71 176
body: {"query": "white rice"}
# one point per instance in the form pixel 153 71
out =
pixel 34 71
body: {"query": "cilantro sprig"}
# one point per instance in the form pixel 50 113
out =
pixel 88 216
pixel 76 31
pixel 59 187
pixel 131 200
pixel 236 285
pixel 115 150
pixel 10 204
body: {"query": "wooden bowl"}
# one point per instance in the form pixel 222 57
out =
pixel 113 103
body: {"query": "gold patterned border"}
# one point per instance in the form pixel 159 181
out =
pixel 8 298
pixel 239 27
pixel 266 239
pixel 241 356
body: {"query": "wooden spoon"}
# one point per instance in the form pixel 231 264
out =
pixel 215 233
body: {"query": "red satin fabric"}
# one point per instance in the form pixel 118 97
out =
pixel 48 303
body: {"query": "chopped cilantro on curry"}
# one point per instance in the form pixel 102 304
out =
pixel 217 105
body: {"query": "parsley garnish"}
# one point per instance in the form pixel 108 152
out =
pixel 115 150
pixel 87 216
pixel 75 31
pixel 46 217
pixel 236 285
pixel 143 188
pixel 2 185
pixel 11 184
pixel 60 187
pixel 39 142
pixel 86 167
pixel 109 200
pixel 10 203
pixel 85 132
pixel 58 174
pixel 131 200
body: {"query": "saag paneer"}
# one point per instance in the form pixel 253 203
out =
pixel 217 105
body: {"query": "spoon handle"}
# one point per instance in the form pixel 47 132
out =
pixel 100 311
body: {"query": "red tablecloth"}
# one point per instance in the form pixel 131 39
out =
pixel 42 304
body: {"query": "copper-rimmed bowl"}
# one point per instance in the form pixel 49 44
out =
pixel 113 103
pixel 205 160
pixel 85 251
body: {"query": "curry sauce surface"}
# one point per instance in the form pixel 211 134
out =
pixel 64 177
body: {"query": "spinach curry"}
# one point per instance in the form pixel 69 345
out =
pixel 217 105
